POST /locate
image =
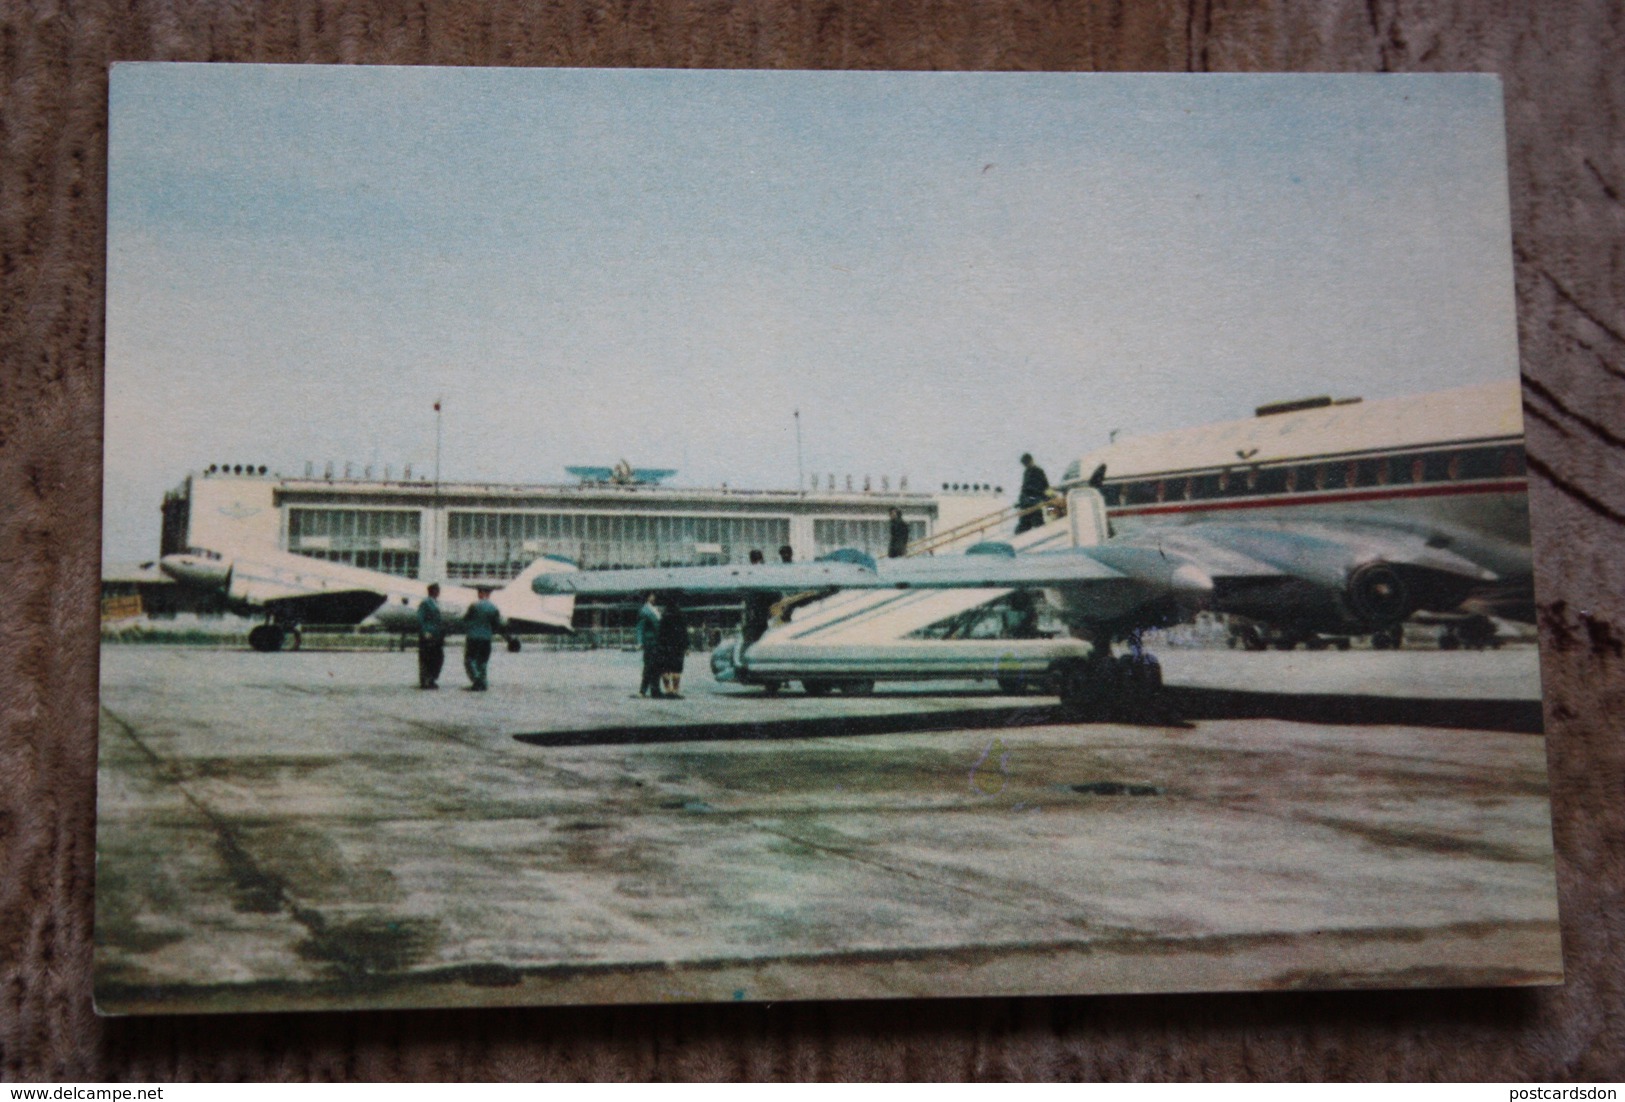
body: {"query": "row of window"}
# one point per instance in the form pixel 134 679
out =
pixel 764 532
pixel 500 545
pixel 872 537
pixel 1454 465
pixel 353 529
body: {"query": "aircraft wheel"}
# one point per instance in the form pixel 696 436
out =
pixel 1285 644
pixel 1317 644
pixel 1083 685
pixel 267 638
pixel 858 687
pixel 771 688
pixel 513 645
pixel 815 688
pixel 1479 634
pixel 1251 639
pixel 1138 680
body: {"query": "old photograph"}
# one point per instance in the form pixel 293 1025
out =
pixel 633 536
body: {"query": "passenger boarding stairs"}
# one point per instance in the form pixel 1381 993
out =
pixel 876 617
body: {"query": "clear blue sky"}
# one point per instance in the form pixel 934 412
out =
pixel 940 271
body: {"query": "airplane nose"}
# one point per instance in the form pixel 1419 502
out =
pixel 193 570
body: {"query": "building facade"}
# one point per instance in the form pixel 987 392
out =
pixel 479 532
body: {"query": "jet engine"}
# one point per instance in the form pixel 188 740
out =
pixel 1378 595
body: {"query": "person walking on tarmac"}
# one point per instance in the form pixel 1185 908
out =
pixel 648 641
pixel 431 639
pixel 483 620
pixel 1034 491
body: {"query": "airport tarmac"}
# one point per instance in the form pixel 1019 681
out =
pixel 308 830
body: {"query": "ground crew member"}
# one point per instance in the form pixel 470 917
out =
pixel 483 619
pixel 431 640
pixel 648 641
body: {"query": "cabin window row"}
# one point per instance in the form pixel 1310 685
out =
pixel 1456 465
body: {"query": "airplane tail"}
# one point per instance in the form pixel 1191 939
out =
pixel 523 607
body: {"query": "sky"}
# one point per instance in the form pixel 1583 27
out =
pixel 938 271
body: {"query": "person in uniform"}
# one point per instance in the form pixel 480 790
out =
pixel 483 620
pixel 649 640
pixel 1034 489
pixel 431 640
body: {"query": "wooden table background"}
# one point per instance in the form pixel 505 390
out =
pixel 1564 73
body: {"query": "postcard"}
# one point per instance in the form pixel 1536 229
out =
pixel 597 536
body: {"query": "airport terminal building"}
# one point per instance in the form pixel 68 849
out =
pixel 487 532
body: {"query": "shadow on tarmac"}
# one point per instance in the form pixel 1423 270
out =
pixel 1176 708
pixel 1511 716
pixel 955 719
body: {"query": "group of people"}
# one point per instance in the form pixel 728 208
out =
pixel 481 623
pixel 662 628
pixel 662 635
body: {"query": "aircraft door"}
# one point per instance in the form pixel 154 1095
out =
pixel 1086 513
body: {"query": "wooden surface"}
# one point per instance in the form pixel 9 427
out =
pixel 1564 72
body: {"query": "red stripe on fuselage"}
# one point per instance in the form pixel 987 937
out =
pixel 1322 497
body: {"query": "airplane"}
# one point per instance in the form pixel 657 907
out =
pixel 291 589
pixel 1328 516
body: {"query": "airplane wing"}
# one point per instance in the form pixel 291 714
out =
pixel 765 578
pixel 312 599
pixel 1193 564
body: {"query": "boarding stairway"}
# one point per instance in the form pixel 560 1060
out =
pixel 870 618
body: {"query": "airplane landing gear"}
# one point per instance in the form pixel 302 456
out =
pixel 267 638
pixel 1390 638
pixel 1122 685
pixel 270 638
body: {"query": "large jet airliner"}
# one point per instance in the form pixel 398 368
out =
pixel 1325 516
pixel 291 590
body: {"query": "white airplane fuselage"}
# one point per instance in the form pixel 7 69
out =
pixel 297 589
pixel 1446 470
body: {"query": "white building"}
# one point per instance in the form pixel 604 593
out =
pixel 469 532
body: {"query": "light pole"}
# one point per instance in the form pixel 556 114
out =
pixel 801 472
